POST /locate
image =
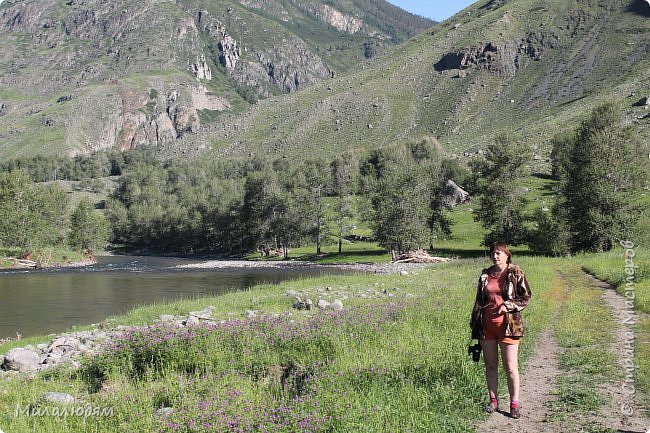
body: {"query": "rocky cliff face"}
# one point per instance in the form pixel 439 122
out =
pixel 505 58
pixel 146 72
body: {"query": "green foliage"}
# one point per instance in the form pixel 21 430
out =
pixel 89 229
pixel 344 171
pixel 501 195
pixel 81 167
pixel 404 196
pixel 603 170
pixel 30 215
pixel 550 235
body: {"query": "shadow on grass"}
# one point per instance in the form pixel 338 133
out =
pixel 478 253
pixel 354 255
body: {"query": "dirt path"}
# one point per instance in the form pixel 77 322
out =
pixel 537 385
pixel 539 380
pixel 623 411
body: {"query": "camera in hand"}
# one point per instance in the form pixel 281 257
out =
pixel 475 351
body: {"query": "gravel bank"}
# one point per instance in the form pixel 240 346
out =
pixel 377 268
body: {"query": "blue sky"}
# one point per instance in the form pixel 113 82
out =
pixel 435 9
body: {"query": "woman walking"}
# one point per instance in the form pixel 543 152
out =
pixel 496 322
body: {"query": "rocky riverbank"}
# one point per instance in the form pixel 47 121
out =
pixel 377 268
pixel 69 348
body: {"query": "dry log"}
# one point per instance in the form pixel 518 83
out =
pixel 26 264
pixel 419 256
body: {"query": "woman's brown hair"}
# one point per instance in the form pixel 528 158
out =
pixel 501 246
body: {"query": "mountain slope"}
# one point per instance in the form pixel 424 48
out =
pixel 78 76
pixel 527 66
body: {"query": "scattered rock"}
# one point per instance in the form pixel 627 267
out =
pixel 205 314
pixel 47 121
pixel 164 411
pixel 337 305
pixel 22 360
pixel 454 195
pixel 192 321
pixel 302 305
pixel 323 304
pixel 58 397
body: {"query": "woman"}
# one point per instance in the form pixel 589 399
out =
pixel 496 322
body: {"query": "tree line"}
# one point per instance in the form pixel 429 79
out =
pixel 235 206
pixel 35 215
pixel 81 167
pixel 601 168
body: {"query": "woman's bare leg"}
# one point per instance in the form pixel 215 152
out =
pixel 491 359
pixel 509 355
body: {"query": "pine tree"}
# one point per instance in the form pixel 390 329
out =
pixel 604 173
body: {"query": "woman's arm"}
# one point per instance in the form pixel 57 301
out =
pixel 522 294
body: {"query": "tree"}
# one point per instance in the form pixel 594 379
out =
pixel 497 180
pixel 342 172
pixel 601 180
pixel 316 182
pixel 401 207
pixel 89 229
pixel 30 215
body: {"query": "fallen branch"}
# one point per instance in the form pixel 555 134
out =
pixel 24 264
pixel 419 256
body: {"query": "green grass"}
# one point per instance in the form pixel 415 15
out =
pixel 360 371
pixel 585 360
pixel 48 256
pixel 611 267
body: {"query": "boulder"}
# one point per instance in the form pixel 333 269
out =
pixel 64 343
pixel 164 411
pixel 206 313
pixel 337 305
pixel 22 360
pixel 454 194
pixel 58 397
pixel 192 321
pixel 302 305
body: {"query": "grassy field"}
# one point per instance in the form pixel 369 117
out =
pixel 394 359
pixel 390 363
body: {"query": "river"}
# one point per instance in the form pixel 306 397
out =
pixel 51 301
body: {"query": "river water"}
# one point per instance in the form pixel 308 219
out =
pixel 51 301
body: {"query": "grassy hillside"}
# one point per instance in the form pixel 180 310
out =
pixel 74 74
pixel 554 61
